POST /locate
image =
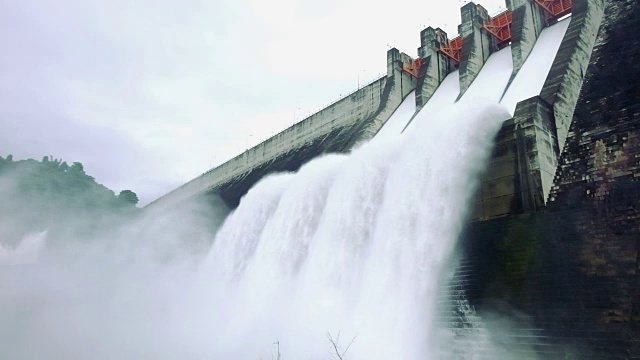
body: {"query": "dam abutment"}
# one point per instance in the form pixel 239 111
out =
pixel 527 149
pixel 567 73
pixel 572 268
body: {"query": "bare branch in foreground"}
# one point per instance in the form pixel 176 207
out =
pixel 337 354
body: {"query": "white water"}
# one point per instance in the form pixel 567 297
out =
pixel 26 252
pixel 359 245
pixel 355 245
pixel 533 73
pixel 490 83
pixel 398 120
pixel 493 79
pixel 443 98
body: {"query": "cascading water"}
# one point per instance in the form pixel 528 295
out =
pixel 355 245
pixel 363 245
pixel 359 245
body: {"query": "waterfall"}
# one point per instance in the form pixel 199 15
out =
pixel 353 248
pixel 355 245
pixel 352 253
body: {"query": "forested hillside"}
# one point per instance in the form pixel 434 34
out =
pixel 55 196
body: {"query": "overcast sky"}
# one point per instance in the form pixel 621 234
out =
pixel 148 94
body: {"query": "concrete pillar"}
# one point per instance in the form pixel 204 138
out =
pixel 528 22
pixel 400 81
pixel 520 173
pixel 394 61
pixel 538 151
pixel 563 84
pixel 398 85
pixel 436 65
pixel 477 43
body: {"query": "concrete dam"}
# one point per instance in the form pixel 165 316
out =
pixel 553 241
pixel 534 59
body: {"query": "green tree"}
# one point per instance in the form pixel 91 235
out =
pixel 129 197
pixel 77 166
pixel 50 193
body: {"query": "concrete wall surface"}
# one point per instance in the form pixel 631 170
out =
pixel 525 157
pixel 521 171
pixel 568 277
pixel 523 163
pixel 477 45
pixel 336 128
pixel 528 22
pixel 564 82
pixel 436 65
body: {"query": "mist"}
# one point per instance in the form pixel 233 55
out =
pixel 352 250
pixel 79 284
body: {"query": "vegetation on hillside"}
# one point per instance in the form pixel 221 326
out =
pixel 55 196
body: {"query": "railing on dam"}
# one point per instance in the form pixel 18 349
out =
pixel 341 97
pixel 306 117
pixel 344 112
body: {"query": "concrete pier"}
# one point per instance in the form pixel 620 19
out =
pixel 528 22
pixel 437 67
pixel 565 79
pixel 477 43
pixel 522 166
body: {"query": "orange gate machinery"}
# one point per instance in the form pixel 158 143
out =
pixel 454 49
pixel 555 8
pixel 414 68
pixel 500 27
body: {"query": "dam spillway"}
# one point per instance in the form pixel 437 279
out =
pixel 553 244
pixel 368 112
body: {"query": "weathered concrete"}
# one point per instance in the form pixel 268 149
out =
pixel 521 170
pixel 538 151
pixel 559 240
pixel 437 65
pixel 568 276
pixel 528 22
pixel 337 128
pixel 477 44
pixel 564 82
pixel 526 145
